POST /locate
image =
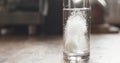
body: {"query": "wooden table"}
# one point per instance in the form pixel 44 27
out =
pixel 105 48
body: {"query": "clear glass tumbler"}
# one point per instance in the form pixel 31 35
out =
pixel 76 17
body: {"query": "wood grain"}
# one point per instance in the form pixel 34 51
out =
pixel 48 49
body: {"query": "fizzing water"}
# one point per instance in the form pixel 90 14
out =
pixel 76 38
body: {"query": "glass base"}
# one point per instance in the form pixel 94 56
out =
pixel 76 58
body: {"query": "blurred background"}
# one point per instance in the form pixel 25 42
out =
pixel 36 17
pixel 31 17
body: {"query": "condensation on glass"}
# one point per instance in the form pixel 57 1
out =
pixel 76 25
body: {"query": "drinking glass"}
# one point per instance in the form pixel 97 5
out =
pixel 76 17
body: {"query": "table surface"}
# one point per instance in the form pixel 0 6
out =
pixel 105 48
